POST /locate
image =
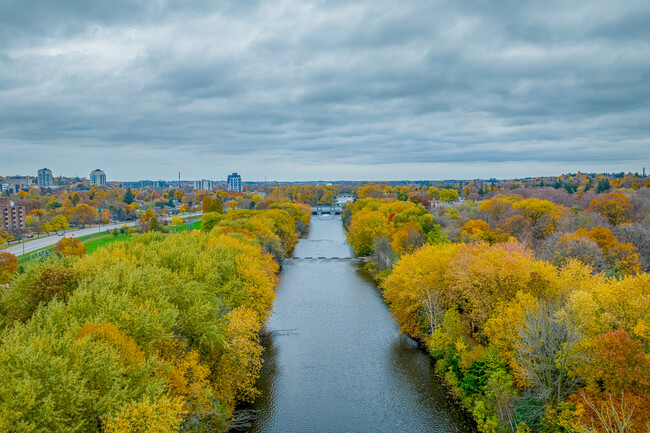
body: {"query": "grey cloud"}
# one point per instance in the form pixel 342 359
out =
pixel 330 82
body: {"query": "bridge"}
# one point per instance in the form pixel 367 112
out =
pixel 333 209
pixel 320 209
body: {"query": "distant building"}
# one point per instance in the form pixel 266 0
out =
pixel 146 183
pixel 204 184
pixel 45 177
pixel 8 187
pixel 234 182
pixel 12 218
pixel 20 181
pixel 98 177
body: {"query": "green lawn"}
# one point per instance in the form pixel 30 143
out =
pixel 195 225
pixel 99 241
pixel 92 242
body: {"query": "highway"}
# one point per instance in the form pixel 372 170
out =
pixel 46 241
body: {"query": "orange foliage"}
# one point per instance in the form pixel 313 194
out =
pixel 622 257
pixel 614 206
pixel 70 247
pixel 617 385
pixel 8 266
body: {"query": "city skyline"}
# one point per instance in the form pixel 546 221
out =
pixel 299 91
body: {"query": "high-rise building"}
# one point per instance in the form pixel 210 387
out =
pixel 12 218
pixel 204 184
pixel 234 182
pixel 97 177
pixel 45 177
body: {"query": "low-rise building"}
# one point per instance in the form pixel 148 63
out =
pixel 204 184
pixel 12 218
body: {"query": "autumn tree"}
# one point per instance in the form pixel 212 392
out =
pixel 365 228
pixel 622 258
pixel 613 206
pixel 85 214
pixel 448 195
pixel 547 350
pixel 70 247
pixel 8 266
pixel 616 397
pixel 105 216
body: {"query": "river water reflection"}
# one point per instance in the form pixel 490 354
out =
pixel 334 360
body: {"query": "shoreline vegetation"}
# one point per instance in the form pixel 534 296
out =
pixel 157 334
pixel 524 340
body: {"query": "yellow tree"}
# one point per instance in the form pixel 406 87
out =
pixel 417 289
pixel 86 214
pixel 448 194
pixel 70 247
pixel 8 266
pixel 366 226
pixel 613 206
pixel 105 216
pixel 240 363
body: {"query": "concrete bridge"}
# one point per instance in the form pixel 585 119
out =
pixel 320 209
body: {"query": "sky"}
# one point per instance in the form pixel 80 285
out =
pixel 324 90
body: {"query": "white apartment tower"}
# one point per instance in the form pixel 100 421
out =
pixel 97 177
pixel 45 177
pixel 234 182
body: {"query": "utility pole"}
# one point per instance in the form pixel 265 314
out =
pixel 179 180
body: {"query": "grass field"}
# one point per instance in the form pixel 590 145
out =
pixel 91 242
pixel 99 241
pixel 195 225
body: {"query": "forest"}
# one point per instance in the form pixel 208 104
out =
pixel 157 334
pixel 534 302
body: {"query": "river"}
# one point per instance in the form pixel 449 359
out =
pixel 334 360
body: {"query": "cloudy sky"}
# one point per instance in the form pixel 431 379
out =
pixel 309 90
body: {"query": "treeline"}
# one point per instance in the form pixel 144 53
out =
pixel 526 344
pixel 160 334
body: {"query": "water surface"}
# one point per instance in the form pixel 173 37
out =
pixel 334 360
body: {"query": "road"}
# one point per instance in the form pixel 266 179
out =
pixel 46 241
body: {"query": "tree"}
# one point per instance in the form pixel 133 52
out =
pixel 8 266
pixel 217 206
pixel 547 349
pixel 365 228
pixel 128 196
pixel 162 415
pixel 177 221
pixel 206 204
pixel 85 214
pixel 417 289
pixel 603 185
pixel 613 206
pixel 448 195
pixel 105 216
pixel 616 397
pixel 71 247
pixel 622 258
